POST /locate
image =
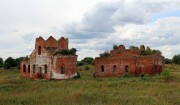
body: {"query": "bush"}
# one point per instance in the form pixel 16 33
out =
pixel 148 51
pixel 78 75
pixel 115 47
pixel 147 77
pixel 7 65
pixel 72 51
pixel 94 75
pixel 126 75
pixel 166 75
pixel 133 48
pixel 87 60
pixel 105 54
pixel 80 69
pixel 87 68
pixel 140 75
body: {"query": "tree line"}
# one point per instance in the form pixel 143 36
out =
pixel 11 62
pixel 86 61
pixel 174 60
pixel 15 62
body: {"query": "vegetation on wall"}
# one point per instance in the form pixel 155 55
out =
pixel 148 51
pixel 105 54
pixel 115 47
pixel 133 48
pixel 71 51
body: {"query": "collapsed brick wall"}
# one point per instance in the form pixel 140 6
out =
pixel 45 65
pixel 122 61
pixel 25 69
pixel 68 64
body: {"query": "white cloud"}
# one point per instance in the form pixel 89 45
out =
pixel 163 34
pixel 91 27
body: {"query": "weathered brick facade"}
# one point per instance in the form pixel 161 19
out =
pixel 124 61
pixel 46 63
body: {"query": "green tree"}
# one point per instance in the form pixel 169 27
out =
pixel 176 59
pixel 115 47
pixel 72 51
pixel 7 65
pixel 80 63
pixel 105 54
pixel 1 62
pixel 167 61
pixel 148 51
pixel 88 60
pixel 10 62
pixel 18 60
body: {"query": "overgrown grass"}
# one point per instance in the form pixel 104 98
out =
pixel 87 90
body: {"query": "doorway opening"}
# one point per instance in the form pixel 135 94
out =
pixel 126 69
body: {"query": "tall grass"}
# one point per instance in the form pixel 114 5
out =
pixel 87 90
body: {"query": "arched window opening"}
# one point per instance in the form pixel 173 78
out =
pixel 28 68
pixel 114 68
pixel 34 68
pixel 102 68
pixel 40 70
pixel 126 69
pixel 155 67
pixel 62 69
pixel 39 50
pixel 45 69
pixel 24 68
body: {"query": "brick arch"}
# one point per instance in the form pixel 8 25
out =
pixel 63 70
pixel 114 68
pixel 102 68
pixel 24 68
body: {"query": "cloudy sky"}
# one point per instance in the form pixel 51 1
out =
pixel 92 26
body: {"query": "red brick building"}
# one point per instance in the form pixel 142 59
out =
pixel 125 61
pixel 45 62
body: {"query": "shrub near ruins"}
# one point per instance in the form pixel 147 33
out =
pixel 72 51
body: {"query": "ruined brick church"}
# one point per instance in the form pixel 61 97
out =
pixel 47 60
pixel 123 61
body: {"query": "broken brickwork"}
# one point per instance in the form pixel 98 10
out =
pixel 45 63
pixel 123 61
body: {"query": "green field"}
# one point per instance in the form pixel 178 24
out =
pixel 148 90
